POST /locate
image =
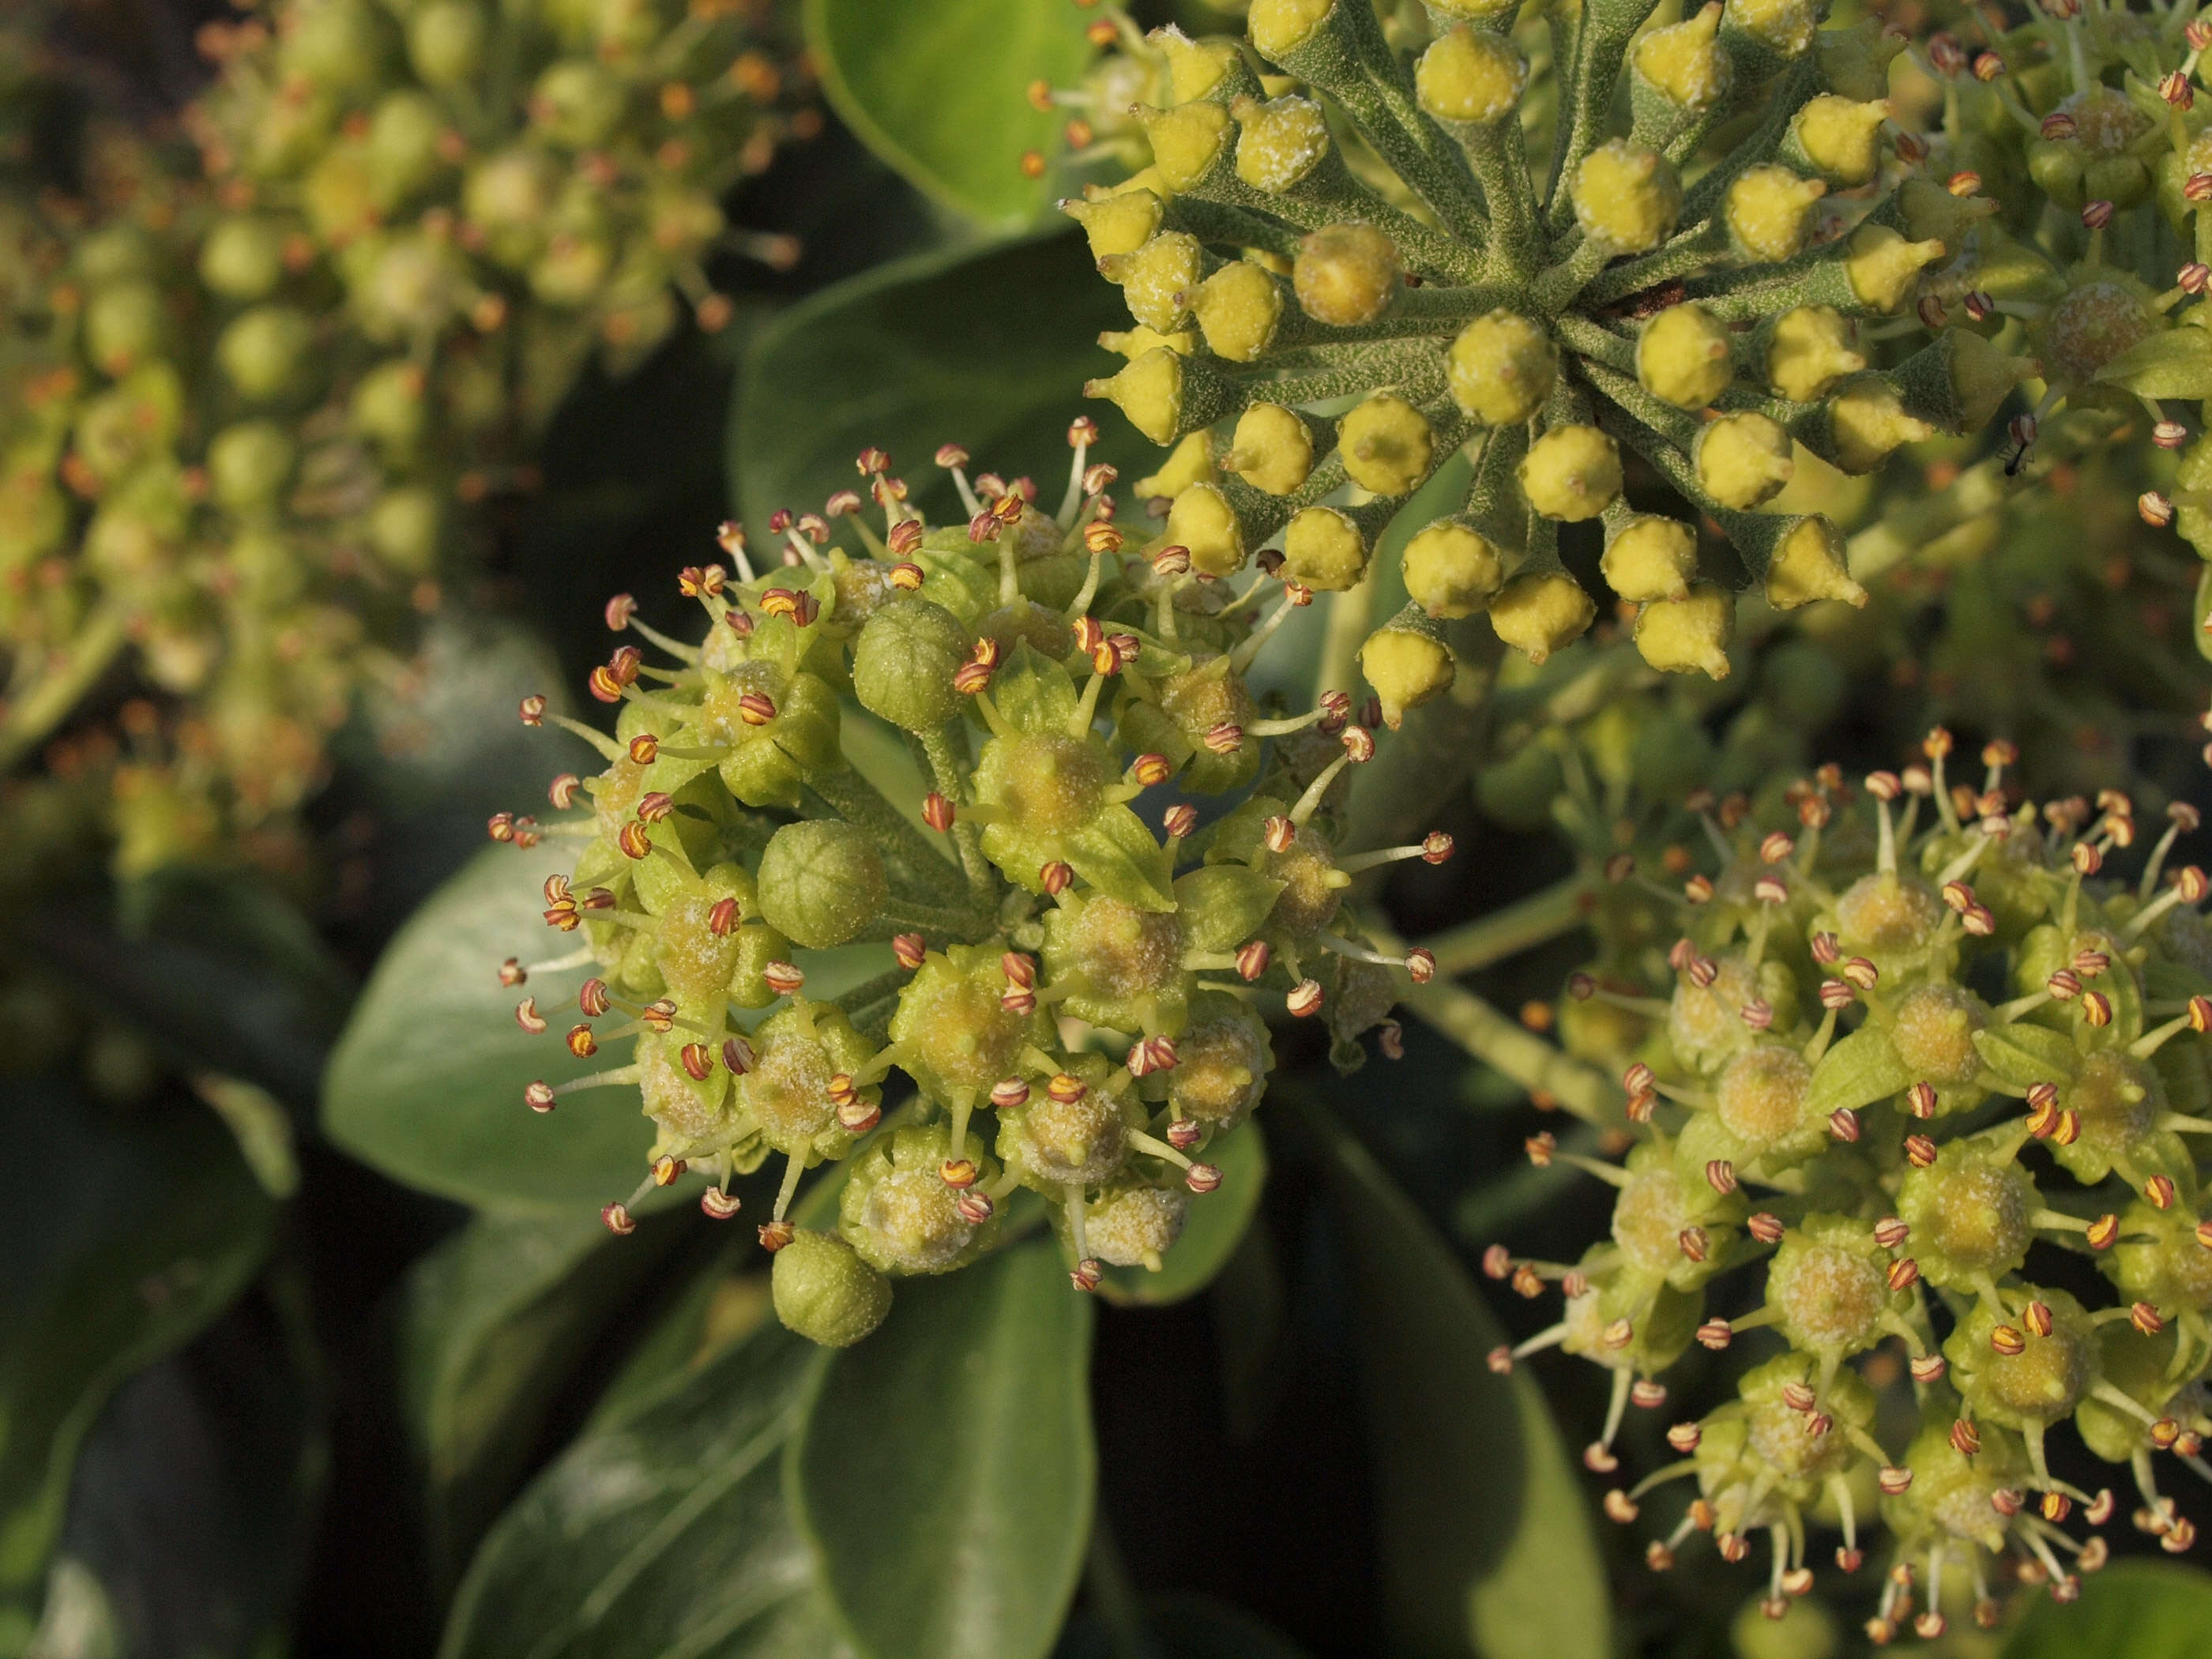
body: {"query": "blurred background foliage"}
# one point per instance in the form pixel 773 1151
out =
pixel 350 1368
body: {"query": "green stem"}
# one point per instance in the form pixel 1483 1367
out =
pixel 860 803
pixel 948 770
pixel 1351 620
pixel 1520 925
pixel 30 720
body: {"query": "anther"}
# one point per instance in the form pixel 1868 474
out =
pixel 717 1205
pixel 617 1220
pixel 533 710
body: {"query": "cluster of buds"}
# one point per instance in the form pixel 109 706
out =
pixel 1913 1030
pixel 1080 962
pixel 247 408
pixel 1344 271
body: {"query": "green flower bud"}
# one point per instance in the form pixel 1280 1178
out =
pixel 125 324
pixel 1810 563
pixel 243 257
pixel 1842 139
pixel 404 527
pixel 1476 10
pixel 1386 444
pixel 2161 1258
pixel 1684 61
pixel 1058 1138
pixel 1704 1025
pixel 1323 548
pixel 1867 421
pixel 1650 558
pixel 406 143
pixel 1345 275
pixel 1272 449
pixel 1932 1028
pixel 1114 222
pixel 446 42
pixel 904 661
pixel 2119 1099
pixel 821 883
pixel 1689 635
pixel 1202 520
pixel 578 103
pixel 825 1292
pixel 1238 309
pixel 897 1213
pixel 1472 76
pixel 1538 612
pixel 248 464
pixel 798 1051
pixel 116 253
pixel 509 198
pixel 338 44
pixel 2095 322
pixel 388 407
pixel 1884 268
pixel 2044 1380
pixel 1855 60
pixel 1223 1058
pixel 1451 569
pixel 1743 459
pixel 1656 1204
pixel 1809 350
pixel 1684 357
pixel 1409 663
pixel 1187 141
pixel 1829 1287
pixel 1770 212
pixel 1626 196
pixel 1283 140
pixel 1157 278
pixel 1124 965
pixel 1982 377
pixel 1571 473
pixel 1130 1225
pixel 1501 368
pixel 263 351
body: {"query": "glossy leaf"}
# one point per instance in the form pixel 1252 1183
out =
pixel 427 1082
pixel 2131 1610
pixel 123 1238
pixel 966 1417
pixel 987 348
pixel 1216 1226
pixel 940 91
pixel 491 1324
pixel 1486 1542
pixel 664 1535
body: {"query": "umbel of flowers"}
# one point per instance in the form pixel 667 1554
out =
pixel 1082 963
pixel 1913 1033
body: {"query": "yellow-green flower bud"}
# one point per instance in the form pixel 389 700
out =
pixel 248 464
pixel 1538 612
pixel 1685 63
pixel 1689 635
pixel 1787 26
pixel 1346 275
pixel 1840 137
pixel 1149 392
pixel 1386 445
pixel 1194 67
pixel 1186 140
pixel 1868 421
pixel 821 882
pixel 1407 663
pixel 243 257
pixel 904 661
pixel 1190 462
pixel 1982 377
pixel 1282 26
pixel 1283 140
pixel 823 1291
pixel 1451 569
pixel 388 406
pixel 1501 368
pixel 2092 323
pixel 1770 212
pixel 1810 563
pixel 1471 75
pixel 1626 196
pixel 402 528
pixel 1885 268
pixel 1571 473
pixel 1272 449
pixel 1650 558
pixel 446 42
pixel 1683 356
pixel 1743 459
pixel 1156 280
pixel 123 324
pixel 1810 350
pixel 1120 221
pixel 1237 309
pixel 1931 211
pixel 1324 549
pixel 1202 520
pixel 1134 343
pixel 1477 11
pixel 1854 61
pixel 264 350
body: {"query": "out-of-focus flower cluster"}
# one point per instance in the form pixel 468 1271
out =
pixel 1081 960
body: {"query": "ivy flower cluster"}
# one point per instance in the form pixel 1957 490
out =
pixel 1347 262
pixel 1920 1039
pixel 247 406
pixel 1082 959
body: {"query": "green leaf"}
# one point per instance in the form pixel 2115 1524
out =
pixel 944 1472
pixel 1856 1071
pixel 940 91
pixel 1211 1234
pixel 1485 1540
pixel 123 1239
pixel 664 1535
pixel 2176 363
pixel 985 349
pixel 491 1325
pixel 1224 904
pixel 427 1082
pixel 2023 1055
pixel 2131 1610
pixel 1116 853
